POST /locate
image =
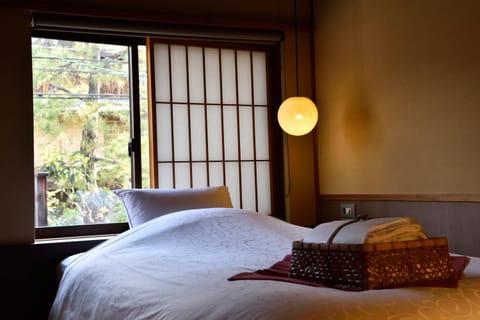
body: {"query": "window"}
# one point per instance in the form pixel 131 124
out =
pixel 209 119
pixel 212 119
pixel 85 118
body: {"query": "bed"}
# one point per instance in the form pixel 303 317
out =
pixel 177 265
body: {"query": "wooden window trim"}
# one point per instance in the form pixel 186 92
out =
pixel 464 197
pixel 80 230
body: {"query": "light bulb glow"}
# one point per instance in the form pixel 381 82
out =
pixel 297 116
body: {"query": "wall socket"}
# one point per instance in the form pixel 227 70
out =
pixel 347 210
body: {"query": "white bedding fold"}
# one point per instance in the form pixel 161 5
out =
pixel 368 231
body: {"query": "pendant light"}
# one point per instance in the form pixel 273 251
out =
pixel 297 115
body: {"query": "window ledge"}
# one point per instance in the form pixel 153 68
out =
pixel 98 238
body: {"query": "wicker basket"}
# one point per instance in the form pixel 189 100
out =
pixel 374 266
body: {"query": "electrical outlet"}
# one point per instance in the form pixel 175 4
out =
pixel 347 210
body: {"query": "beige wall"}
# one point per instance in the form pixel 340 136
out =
pixel 17 214
pixel 398 86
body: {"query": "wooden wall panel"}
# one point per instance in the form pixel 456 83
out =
pixel 458 221
pixel 28 276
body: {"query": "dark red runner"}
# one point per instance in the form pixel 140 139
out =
pixel 279 272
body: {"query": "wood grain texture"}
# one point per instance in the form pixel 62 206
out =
pixel 457 221
pixel 404 197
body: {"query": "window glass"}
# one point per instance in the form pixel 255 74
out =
pixel 81 95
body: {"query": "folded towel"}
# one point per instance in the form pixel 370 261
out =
pixel 382 224
pixel 368 231
pixel 401 232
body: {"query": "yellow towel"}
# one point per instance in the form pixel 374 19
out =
pixel 381 224
pixel 400 232
pixel 374 230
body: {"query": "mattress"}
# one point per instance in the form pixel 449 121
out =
pixel 177 266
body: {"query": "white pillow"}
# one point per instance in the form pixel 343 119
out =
pixel 143 205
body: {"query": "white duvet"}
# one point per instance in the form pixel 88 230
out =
pixel 176 267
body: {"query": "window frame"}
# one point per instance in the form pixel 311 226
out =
pixel 275 134
pixel 133 40
pixel 134 146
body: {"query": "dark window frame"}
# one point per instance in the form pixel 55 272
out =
pixel 134 147
pixel 133 41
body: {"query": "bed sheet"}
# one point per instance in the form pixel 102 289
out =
pixel 177 267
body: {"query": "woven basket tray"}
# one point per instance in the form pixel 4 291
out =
pixel 374 266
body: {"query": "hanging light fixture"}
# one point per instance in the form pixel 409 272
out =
pixel 297 115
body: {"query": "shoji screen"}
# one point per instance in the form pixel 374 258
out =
pixel 210 107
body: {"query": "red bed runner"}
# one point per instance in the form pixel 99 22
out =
pixel 279 272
